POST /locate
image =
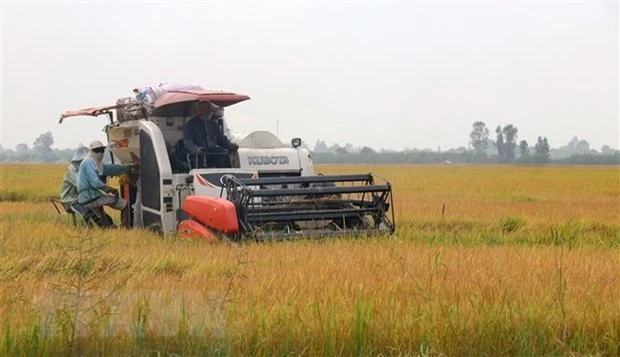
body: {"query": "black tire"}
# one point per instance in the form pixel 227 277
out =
pixel 156 228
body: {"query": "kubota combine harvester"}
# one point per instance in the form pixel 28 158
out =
pixel 271 190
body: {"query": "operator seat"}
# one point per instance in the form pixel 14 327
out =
pixel 190 161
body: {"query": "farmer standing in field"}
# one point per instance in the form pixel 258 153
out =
pixel 90 186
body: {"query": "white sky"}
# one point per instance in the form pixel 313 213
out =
pixel 388 76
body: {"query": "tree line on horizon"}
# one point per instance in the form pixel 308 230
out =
pixel 482 149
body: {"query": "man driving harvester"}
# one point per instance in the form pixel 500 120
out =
pixel 203 137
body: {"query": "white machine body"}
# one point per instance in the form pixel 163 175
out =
pixel 162 190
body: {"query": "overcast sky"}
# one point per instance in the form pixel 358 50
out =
pixel 391 76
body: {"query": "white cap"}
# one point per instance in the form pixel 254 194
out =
pixel 80 153
pixel 96 144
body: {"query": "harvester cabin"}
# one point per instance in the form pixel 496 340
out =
pixel 171 113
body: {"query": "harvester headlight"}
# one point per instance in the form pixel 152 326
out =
pixel 296 142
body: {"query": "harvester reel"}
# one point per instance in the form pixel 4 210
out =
pixel 310 206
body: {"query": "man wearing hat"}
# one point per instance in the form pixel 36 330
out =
pixel 69 190
pixel 90 187
pixel 204 136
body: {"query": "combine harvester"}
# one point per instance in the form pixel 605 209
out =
pixel 271 190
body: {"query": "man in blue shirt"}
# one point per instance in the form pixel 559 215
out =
pixel 90 187
pixel 203 136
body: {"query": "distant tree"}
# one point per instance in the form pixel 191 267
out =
pixel 367 150
pixel 583 147
pixel 578 147
pixel 43 144
pixel 334 148
pixel 542 149
pixel 607 150
pixel 524 148
pixel 499 142
pixel 21 147
pixel 572 145
pixel 479 138
pixel 510 137
pixel 348 147
pixel 320 146
pixel 506 143
pixel 42 147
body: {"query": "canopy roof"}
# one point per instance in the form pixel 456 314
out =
pixel 182 102
pixel 222 99
pixel 172 103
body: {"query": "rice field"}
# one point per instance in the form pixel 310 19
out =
pixel 486 260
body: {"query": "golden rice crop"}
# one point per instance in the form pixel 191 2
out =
pixel 486 261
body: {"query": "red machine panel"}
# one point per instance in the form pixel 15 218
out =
pixel 191 230
pixel 214 212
